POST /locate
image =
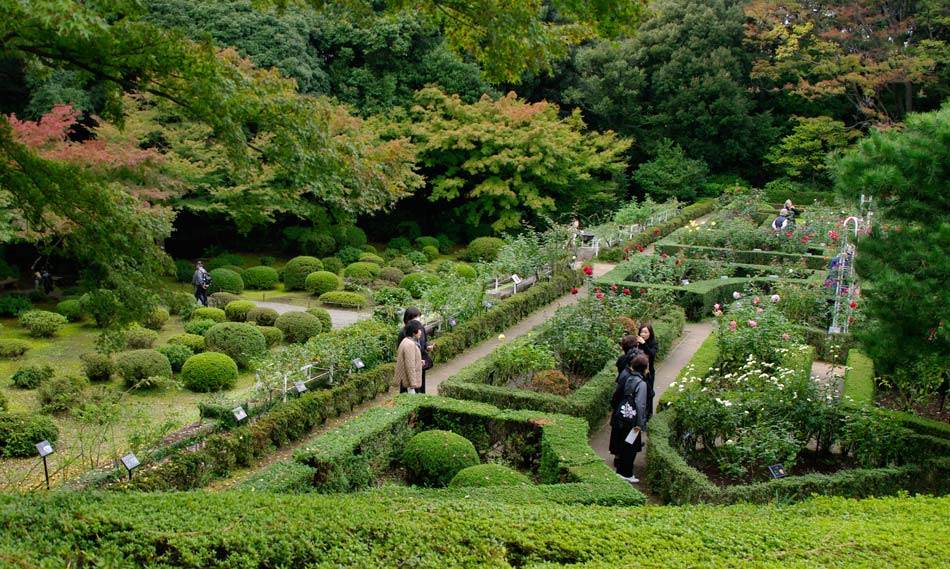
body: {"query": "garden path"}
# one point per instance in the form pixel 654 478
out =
pixel 339 317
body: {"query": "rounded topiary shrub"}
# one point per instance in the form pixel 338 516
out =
pixel 320 282
pixel 96 366
pixel 372 258
pixel 156 318
pixel 221 299
pixel 4 405
pixel 31 376
pixel 60 393
pixel 235 268
pixel 208 313
pixel 272 335
pixel 210 371
pixel 224 260
pixel 430 252
pixel 332 264
pixel 102 304
pixel 484 249
pixel 139 365
pixel 10 348
pixel 316 244
pixel 343 298
pixel 200 326
pixel 361 270
pixel 19 433
pixel 242 342
pixel 195 342
pixel 403 264
pixel 465 271
pixel 485 475
pixel 177 354
pixel 323 315
pixel 298 327
pixel 349 236
pixel 416 282
pixel 260 278
pixel 42 323
pixel 262 316
pixel 433 458
pixel 368 248
pixel 138 338
pixel 296 271
pixel 237 310
pixel 400 244
pixel 417 257
pixel 226 280
pixel 71 309
pixel 391 274
pixel 349 255
pixel 424 241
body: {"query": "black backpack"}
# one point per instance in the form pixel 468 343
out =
pixel 206 279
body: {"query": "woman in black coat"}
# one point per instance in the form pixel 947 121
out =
pixel 628 417
pixel 650 346
pixel 630 344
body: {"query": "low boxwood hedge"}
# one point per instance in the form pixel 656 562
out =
pixel 489 475
pixel 343 298
pixel 745 257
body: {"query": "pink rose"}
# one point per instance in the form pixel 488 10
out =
pixel 753 323
pixel 776 298
pixel 600 295
pixel 785 336
pixel 737 295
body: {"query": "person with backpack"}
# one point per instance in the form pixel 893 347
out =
pixel 201 280
pixel 629 415
pixel 780 222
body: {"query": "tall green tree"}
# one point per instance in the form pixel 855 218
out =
pixel 802 155
pixel 503 162
pixel 904 263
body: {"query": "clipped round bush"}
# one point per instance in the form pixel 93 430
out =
pixel 372 258
pixel 138 338
pixel 225 260
pixel 139 365
pixel 262 316
pixel 551 381
pixel 60 393
pixel 320 282
pixel 361 270
pixel 433 458
pixel 210 371
pixel 465 271
pixel 13 305
pixel 445 242
pixel 349 255
pixel 42 323
pixel 234 268
pixel 369 249
pixel 272 335
pixel 11 348
pixel 208 313
pixel 237 310
pixel 200 326
pixel 403 264
pixel 391 274
pixel 323 315
pixel 226 280
pixel 416 282
pixel 332 264
pixel 19 433
pixel 316 244
pixel 296 271
pixel 178 302
pixel 417 257
pixel 486 475
pixel 96 366
pixel 343 298
pixel 71 309
pixel 424 241
pixel 156 318
pixel 102 305
pixel 430 252
pixel 242 342
pixel 268 261
pixel 399 244
pixel 31 376
pixel 349 236
pixel 221 299
pixel 393 296
pixel 260 278
pixel 298 327
pixel 484 249
pixel 177 354
pixel 194 342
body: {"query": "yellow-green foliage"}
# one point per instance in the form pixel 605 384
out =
pixel 859 378
pixel 210 371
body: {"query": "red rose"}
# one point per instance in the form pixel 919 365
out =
pixel 657 230
pixel 854 305
pixel 613 287
pixel 596 289
pixel 677 262
pixel 600 295
pixel 588 271
pixel 626 291
pixel 851 320
pixel 574 290
pixel 626 249
pixel 643 291
pixel 788 234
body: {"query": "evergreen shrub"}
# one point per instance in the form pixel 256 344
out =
pixel 417 257
pixel 136 366
pixel 13 305
pixel 184 269
pixel 19 433
pixel 415 283
pixel 208 313
pixel 71 309
pixel 323 315
pixel 348 255
pixel 225 260
pixel 425 241
pixel 237 310
pixel 298 327
pixel 316 244
pixel 42 323
pixel 465 271
pixel 221 299
pixel 96 366
pixel 484 249
pixel 195 342
pixel 343 298
pixel 177 354
pixel 242 342
pixel 296 270
pixel 260 278
pixel 332 264
pixel 272 335
pixel 60 393
pixel 210 371
pixel 350 236
pixel 391 274
pixel 138 338
pixel 430 252
pixel 226 280
pixel 156 318
pixel 372 258
pixel 362 270
pixel 177 302
pixel 488 475
pixel 403 264
pixel 200 326
pixel 320 282
pixel 12 348
pixel 400 244
pixel 445 242
pixel 102 305
pixel 433 458
pixel 262 316
pixel 31 376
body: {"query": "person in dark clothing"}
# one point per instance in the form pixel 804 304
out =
pixel 650 346
pixel 628 416
pixel 630 344
pixel 413 313
pixel 199 280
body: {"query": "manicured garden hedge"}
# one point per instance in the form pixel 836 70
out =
pixel 460 528
pixel 816 262
pixel 661 230
pixel 555 446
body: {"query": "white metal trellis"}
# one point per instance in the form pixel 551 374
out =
pixel 845 280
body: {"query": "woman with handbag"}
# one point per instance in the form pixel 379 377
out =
pixel 629 416
pixel 411 314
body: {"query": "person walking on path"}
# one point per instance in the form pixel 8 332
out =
pixel 412 313
pixel 628 419
pixel 409 363
pixel 201 279
pixel 650 346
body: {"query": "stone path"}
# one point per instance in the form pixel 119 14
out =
pixel 338 316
